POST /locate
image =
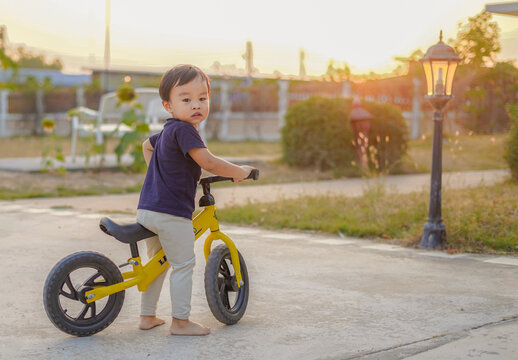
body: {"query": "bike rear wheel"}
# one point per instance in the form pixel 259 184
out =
pixel 64 293
pixel 226 300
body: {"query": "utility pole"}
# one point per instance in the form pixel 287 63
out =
pixel 249 58
pixel 416 97
pixel 416 108
pixel 302 63
pixel 106 47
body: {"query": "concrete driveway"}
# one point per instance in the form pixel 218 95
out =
pixel 312 297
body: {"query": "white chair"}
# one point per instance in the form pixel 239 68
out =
pixel 105 120
pixel 156 115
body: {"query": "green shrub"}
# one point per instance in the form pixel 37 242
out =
pixel 317 133
pixel 511 153
pixel 387 136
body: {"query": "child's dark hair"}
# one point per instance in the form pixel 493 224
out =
pixel 178 76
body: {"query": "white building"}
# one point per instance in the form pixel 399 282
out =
pixel 503 8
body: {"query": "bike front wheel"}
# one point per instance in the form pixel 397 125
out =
pixel 64 293
pixel 226 300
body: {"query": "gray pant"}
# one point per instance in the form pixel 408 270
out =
pixel 176 237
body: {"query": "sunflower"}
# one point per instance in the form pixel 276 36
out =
pixel 48 125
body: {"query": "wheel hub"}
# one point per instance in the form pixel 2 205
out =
pixel 233 284
pixel 81 294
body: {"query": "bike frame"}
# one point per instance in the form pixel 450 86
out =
pixel 143 275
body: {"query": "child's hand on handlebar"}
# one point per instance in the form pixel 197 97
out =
pixel 246 171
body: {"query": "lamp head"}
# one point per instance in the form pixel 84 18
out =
pixel 440 63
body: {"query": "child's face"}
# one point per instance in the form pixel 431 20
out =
pixel 189 102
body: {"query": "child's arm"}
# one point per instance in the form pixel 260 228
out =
pixel 219 166
pixel 147 149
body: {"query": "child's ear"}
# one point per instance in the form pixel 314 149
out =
pixel 167 106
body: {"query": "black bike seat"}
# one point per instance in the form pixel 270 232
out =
pixel 128 234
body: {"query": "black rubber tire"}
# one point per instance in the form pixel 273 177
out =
pixel 54 290
pixel 216 289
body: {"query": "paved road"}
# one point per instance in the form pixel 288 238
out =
pixel 312 297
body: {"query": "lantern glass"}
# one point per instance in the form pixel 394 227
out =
pixel 439 64
pixel 439 76
pixel 451 74
pixel 427 66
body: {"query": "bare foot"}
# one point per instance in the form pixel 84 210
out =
pixel 187 327
pixel 149 322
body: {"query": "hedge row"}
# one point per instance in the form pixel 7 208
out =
pixel 318 133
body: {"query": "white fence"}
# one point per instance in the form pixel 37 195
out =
pixel 224 124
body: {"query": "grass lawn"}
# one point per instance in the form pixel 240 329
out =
pixel 463 152
pixel 460 153
pixel 32 146
pixel 479 220
pixel 246 149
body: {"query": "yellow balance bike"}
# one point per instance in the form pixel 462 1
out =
pixel 84 292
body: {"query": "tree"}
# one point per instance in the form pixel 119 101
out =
pixel 338 73
pixel 511 151
pixel 6 61
pixel 26 59
pixel 409 64
pixel 32 85
pixel 478 40
pixel 488 93
pixel 23 58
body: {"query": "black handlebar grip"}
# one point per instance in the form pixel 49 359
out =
pixel 254 174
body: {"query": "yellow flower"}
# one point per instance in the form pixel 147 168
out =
pixel 48 125
pixel 126 93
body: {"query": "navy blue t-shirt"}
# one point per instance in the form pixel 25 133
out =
pixel 172 175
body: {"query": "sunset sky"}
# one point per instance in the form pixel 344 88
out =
pixel 158 34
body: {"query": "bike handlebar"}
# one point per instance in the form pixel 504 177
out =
pixel 254 175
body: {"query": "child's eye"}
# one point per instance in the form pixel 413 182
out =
pixel 203 99
pixel 186 100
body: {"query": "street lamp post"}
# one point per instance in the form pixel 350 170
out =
pixel 360 122
pixel 439 63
